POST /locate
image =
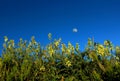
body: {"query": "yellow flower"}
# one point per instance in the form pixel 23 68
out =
pixel 42 68
pixel 51 50
pixel 68 63
pixel 0 62
pixel 5 39
pixel 116 63
pixel 77 46
pixel 68 51
pixel 106 50
pixel 100 49
pixel 59 39
pixel 93 55
pixel 117 48
pixel 12 42
pixel 63 48
pixel 89 42
pixel 56 43
pixel 9 46
pixel 69 45
pixel 50 36
pixel 4 45
pixel 117 58
pixel 72 49
pixel 96 75
pixel 106 43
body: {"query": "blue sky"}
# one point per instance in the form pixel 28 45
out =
pixel 93 18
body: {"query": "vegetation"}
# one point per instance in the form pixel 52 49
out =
pixel 28 61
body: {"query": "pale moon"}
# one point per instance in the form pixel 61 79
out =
pixel 75 30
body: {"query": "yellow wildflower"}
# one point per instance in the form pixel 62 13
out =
pixel 63 48
pixel 9 46
pixel 96 75
pixel 56 43
pixel 106 43
pixel 68 51
pixel 50 50
pixel 50 36
pixel 93 55
pixel 68 63
pixel 116 63
pixel 106 50
pixel 100 49
pixel 62 79
pixel 77 46
pixel 117 58
pixel 72 49
pixel 5 39
pixel 89 42
pixel 117 47
pixel 69 45
pixel 4 45
pixel 0 62
pixel 42 68
pixel 59 39
pixel 12 42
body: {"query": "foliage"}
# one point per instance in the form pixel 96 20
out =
pixel 27 61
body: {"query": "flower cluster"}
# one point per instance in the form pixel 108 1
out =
pixel 77 46
pixel 50 49
pixel 57 43
pixel 0 62
pixel 70 49
pixel 106 43
pixel 100 49
pixel 59 61
pixel 42 68
pixel 63 48
pixel 67 62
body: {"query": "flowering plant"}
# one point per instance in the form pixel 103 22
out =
pixel 28 61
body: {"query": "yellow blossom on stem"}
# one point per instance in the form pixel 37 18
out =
pixel 5 38
pixel 63 47
pixel 0 62
pixel 49 36
pixel 69 45
pixel 106 43
pixel 68 63
pixel 100 49
pixel 51 50
pixel 42 68
pixel 77 46
pixel 89 42
pixel 72 49
pixel 68 51
pixel 56 43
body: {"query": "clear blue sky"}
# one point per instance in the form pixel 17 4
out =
pixel 93 18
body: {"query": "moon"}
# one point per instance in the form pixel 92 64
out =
pixel 75 30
